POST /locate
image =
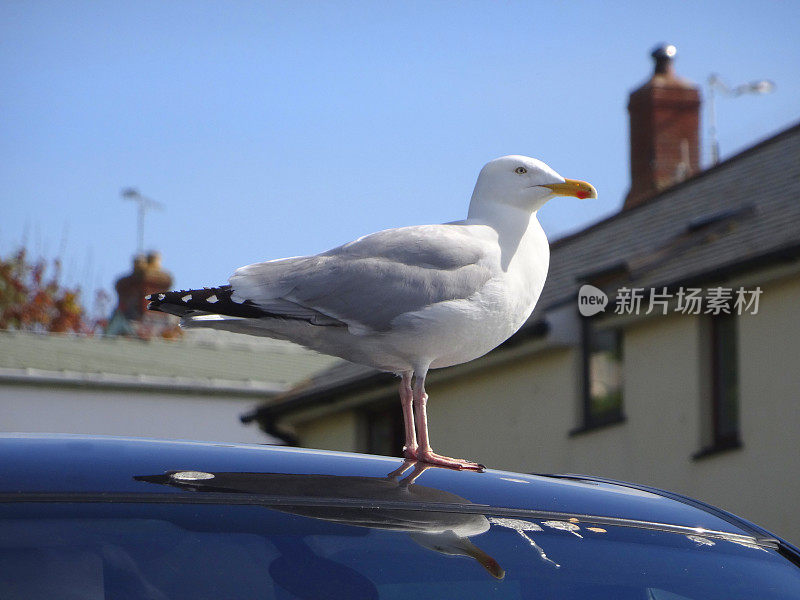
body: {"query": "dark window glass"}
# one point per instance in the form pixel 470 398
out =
pixel 384 430
pixel 602 375
pixel 725 380
pixel 98 551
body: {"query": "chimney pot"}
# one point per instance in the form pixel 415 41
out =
pixel 664 55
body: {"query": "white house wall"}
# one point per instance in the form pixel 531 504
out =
pixel 39 409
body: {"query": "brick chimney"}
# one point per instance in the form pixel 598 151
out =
pixel 664 125
pixel 147 277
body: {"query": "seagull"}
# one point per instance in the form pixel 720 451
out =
pixel 404 300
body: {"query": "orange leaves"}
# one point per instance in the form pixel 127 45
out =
pixel 33 299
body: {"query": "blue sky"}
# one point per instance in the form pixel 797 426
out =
pixel 273 129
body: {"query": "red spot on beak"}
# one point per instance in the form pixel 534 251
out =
pixel 582 195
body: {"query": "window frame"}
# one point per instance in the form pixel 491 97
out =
pixel 715 393
pixel 588 420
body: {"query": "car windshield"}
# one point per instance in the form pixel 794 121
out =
pixel 170 551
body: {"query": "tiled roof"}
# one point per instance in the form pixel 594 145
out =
pixel 743 209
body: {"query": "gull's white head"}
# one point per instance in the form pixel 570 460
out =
pixel 525 183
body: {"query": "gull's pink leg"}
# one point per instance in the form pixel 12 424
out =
pixel 424 452
pixel 406 399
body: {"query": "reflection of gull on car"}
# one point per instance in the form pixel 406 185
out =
pixel 445 532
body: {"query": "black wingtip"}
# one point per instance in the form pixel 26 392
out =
pixel 210 300
pixel 215 300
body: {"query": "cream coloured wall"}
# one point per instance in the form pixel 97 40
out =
pixel 661 405
pixel 339 431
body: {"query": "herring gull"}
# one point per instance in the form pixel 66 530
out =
pixel 404 300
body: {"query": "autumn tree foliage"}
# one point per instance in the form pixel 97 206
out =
pixel 33 299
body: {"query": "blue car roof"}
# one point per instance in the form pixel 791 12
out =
pixel 43 467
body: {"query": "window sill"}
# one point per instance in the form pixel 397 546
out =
pixel 609 421
pixel 718 447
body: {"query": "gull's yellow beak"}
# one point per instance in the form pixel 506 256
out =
pixel 573 187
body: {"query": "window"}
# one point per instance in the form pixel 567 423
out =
pixel 384 429
pixel 722 406
pixel 602 376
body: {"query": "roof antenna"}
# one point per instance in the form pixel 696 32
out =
pixel 763 86
pixel 145 204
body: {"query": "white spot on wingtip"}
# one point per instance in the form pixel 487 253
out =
pixel 148 297
pixel 162 296
pixel 186 298
pixel 212 299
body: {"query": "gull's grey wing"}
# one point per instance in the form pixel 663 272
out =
pixel 369 282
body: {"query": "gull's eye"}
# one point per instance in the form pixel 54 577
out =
pixel 520 170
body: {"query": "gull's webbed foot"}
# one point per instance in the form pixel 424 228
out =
pixel 432 458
